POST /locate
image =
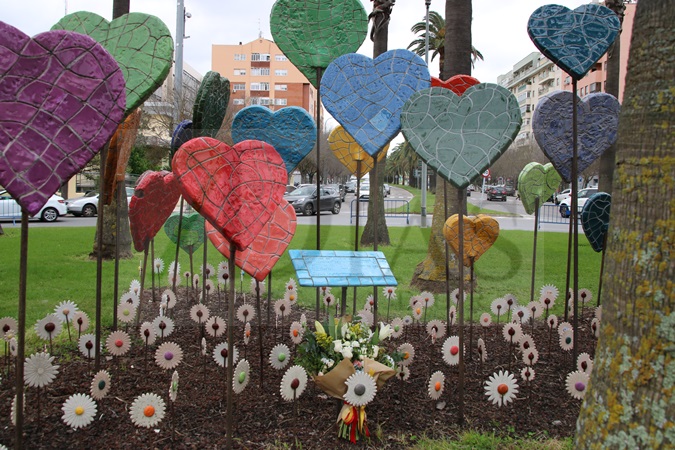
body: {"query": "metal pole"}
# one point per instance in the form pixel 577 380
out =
pixel 178 68
pixel 423 200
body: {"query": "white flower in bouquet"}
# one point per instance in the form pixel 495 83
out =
pixel 385 331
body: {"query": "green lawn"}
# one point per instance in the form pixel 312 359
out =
pixel 60 269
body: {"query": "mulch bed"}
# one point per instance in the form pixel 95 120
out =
pixel 263 420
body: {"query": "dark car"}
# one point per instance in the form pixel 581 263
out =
pixel 497 193
pixel 350 186
pixel 510 190
pixel 304 200
pixel 340 188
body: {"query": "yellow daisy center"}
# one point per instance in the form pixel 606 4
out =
pixel 79 410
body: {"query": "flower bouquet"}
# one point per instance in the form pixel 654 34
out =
pixel 348 361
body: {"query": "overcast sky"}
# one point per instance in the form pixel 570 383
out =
pixel 499 26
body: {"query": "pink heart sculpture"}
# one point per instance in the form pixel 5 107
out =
pixel 266 249
pixel 153 202
pixel 235 188
pixel 61 98
pixel 457 84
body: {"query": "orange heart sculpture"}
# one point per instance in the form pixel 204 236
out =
pixel 480 233
pixel 119 152
pixel 348 152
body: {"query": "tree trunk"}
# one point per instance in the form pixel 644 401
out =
pixel 630 402
pixel 430 273
pixel 120 8
pixel 608 158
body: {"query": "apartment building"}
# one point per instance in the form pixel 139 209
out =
pixel 260 74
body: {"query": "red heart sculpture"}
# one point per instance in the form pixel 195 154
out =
pixel 235 188
pixel 457 84
pixel 153 202
pixel 266 249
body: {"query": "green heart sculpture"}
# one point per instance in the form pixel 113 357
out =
pixel 191 234
pixel 312 33
pixel 210 105
pixel 537 181
pixel 460 137
pixel 140 43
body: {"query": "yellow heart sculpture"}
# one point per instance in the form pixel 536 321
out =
pixel 346 150
pixel 480 233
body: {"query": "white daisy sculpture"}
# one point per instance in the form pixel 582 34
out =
pixel 485 320
pixel 81 322
pixel 595 327
pixel 135 287
pixel 576 384
pixel 501 388
pixel 169 298
pixel 526 342
pixel 241 376
pixel 173 386
pixel 147 333
pixel 158 265
pixel 585 296
pixel 552 322
pixel 245 313
pixel 79 411
pixel 223 275
pixel 296 332
pixel 549 291
pixel 361 389
pixel 293 383
pixel 291 297
pixel 367 317
pixel 522 314
pixel 527 374
pixel 482 351
pixel 199 313
pixel 215 326
pixel 291 285
pixel 402 372
pixel 126 312
pixel 498 307
pixel 130 298
pixel 257 286
pixel 100 385
pixel 118 343
pixel 48 327
pixel 168 355
pixel 282 308
pixel 220 353
pixel 436 384
pixel 567 340
pixel 87 345
pixel 247 333
pixel 451 351
pixel 7 325
pixel 163 326
pixel 280 356
pixel 39 370
pixel 585 363
pixel 530 357
pixel 389 292
pixel 512 332
pixel 147 410
pixel 546 303
pixel 397 327
pixel 209 272
pixel 408 353
pixel 436 329
pixel 65 311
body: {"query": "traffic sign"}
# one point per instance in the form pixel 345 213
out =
pixel 486 174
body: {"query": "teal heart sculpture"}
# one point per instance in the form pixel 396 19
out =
pixel 312 33
pixel 573 40
pixel 140 43
pixel 191 234
pixel 210 106
pixel 366 95
pixel 291 131
pixel 460 137
pixel 597 128
pixel 537 181
pixel 595 219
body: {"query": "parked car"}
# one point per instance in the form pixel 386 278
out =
pixel 87 205
pixel 304 200
pixel 510 190
pixel 340 188
pixel 562 196
pixel 387 189
pixel 497 193
pixel 51 211
pixel 582 197
pixel 290 188
pixel 350 186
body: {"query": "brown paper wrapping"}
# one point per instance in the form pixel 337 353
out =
pixel 333 383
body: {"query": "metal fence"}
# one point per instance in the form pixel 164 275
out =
pixel 550 213
pixel 392 208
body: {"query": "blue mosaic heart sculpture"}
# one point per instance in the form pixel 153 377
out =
pixel 460 137
pixel 366 95
pixel 573 40
pixel 291 131
pixel 597 128
pixel 181 134
pixel 595 219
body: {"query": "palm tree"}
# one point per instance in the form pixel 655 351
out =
pixel 402 161
pixel 436 39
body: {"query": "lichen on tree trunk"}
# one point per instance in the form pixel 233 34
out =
pixel 630 401
pixel 368 236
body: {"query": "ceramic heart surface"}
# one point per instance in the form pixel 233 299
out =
pixel 349 153
pixel 61 97
pixel 235 188
pixel 457 84
pixel 291 131
pixel 573 40
pixel 597 128
pixel 366 95
pixel 119 150
pixel 264 252
pixel 191 231
pixel 181 134
pixel 312 33
pixel 211 103
pixel 154 200
pixel 537 181
pixel 480 233
pixel 141 44
pixel 595 219
pixel 460 137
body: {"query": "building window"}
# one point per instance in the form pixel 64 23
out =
pixel 595 87
pixel 240 57
pixel 239 87
pixel 260 86
pixel 260 71
pixel 280 87
pixel 280 58
pixel 281 72
pixel 281 101
pixel 240 71
pixel 260 101
pixel 260 56
pixel 238 101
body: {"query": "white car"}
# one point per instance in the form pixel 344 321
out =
pixel 582 197
pixel 87 205
pixel 564 195
pixel 10 209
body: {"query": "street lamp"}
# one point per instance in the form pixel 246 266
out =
pixel 181 15
pixel 423 206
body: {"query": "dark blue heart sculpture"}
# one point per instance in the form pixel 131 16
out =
pixel 597 128
pixel 291 131
pixel 573 40
pixel 595 219
pixel 366 96
pixel 180 136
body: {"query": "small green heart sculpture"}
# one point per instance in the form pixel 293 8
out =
pixel 140 43
pixel 537 180
pixel 210 105
pixel 192 231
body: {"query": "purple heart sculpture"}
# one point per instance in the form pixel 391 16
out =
pixel 597 128
pixel 62 97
